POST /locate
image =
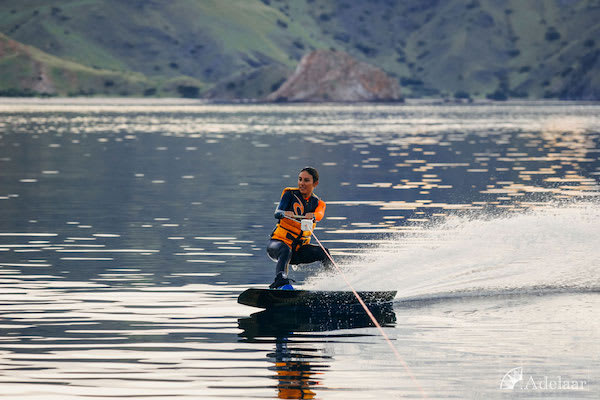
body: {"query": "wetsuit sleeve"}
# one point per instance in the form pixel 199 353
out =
pixel 320 211
pixel 283 205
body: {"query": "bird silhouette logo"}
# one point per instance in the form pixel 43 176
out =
pixel 510 379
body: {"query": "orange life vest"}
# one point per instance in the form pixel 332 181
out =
pixel 289 231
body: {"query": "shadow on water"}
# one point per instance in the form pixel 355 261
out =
pixel 297 364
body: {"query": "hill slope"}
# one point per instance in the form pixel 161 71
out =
pixel 28 71
pixel 245 48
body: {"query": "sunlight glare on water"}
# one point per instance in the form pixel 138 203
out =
pixel 128 227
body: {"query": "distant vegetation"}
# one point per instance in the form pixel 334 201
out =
pixel 244 49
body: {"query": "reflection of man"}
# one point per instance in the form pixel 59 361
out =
pixel 294 376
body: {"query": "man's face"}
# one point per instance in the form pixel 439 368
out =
pixel 306 183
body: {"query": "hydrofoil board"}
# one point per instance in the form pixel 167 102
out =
pixel 272 298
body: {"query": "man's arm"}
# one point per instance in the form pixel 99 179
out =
pixel 283 204
pixel 320 211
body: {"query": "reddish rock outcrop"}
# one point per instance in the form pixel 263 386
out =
pixel 325 75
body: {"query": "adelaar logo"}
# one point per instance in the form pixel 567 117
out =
pixel 516 381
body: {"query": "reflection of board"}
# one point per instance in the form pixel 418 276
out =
pixel 280 322
pixel 271 298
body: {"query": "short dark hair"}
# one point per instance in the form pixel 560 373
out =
pixel 313 172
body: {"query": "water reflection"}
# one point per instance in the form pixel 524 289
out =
pixel 284 323
pixel 295 378
pixel 128 228
pixel 141 168
pixel 299 361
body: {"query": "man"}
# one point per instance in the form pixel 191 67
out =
pixel 290 244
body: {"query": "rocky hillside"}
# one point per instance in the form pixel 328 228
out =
pixel 325 75
pixel 232 49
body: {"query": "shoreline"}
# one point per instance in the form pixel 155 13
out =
pixel 188 101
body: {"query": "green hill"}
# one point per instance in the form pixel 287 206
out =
pixel 228 49
pixel 28 71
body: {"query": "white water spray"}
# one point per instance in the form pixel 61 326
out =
pixel 555 248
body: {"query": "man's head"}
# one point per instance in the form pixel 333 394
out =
pixel 308 179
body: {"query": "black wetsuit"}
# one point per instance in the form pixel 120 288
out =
pixel 281 252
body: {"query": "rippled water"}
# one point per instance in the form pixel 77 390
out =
pixel 129 227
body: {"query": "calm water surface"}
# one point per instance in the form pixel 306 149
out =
pixel 129 227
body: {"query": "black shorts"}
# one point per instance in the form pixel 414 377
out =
pixel 309 253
